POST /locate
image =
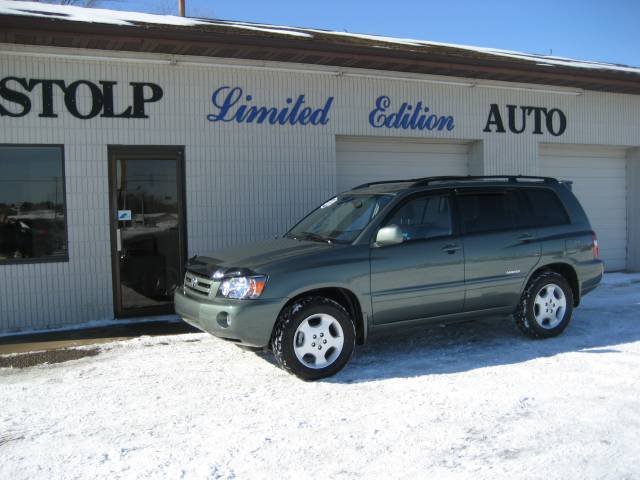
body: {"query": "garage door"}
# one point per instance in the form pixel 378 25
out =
pixel 363 159
pixel 599 176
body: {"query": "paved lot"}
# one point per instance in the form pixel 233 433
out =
pixel 474 400
pixel 50 341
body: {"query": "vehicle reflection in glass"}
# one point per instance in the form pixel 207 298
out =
pixel 150 252
pixel 32 210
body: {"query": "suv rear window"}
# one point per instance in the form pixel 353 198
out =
pixel 545 207
pixel 511 209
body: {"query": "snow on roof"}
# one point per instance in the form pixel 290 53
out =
pixel 547 60
pixel 114 17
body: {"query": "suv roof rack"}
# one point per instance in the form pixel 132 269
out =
pixel 365 185
pixel 424 181
pixel 420 182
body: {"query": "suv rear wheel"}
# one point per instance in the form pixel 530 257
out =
pixel 313 338
pixel 546 306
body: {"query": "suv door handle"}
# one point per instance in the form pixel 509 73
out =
pixel 527 237
pixel 451 248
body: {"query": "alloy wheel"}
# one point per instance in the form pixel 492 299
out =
pixel 318 341
pixel 550 306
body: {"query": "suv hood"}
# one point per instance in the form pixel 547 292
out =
pixel 254 257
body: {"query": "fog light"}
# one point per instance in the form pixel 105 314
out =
pixel 223 319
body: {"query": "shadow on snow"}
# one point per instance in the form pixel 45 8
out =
pixel 609 317
pixel 484 343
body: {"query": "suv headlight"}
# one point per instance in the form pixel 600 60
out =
pixel 242 287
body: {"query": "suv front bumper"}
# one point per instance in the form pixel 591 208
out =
pixel 246 322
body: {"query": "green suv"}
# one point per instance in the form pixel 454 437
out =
pixel 391 254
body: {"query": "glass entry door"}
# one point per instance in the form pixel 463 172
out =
pixel 147 228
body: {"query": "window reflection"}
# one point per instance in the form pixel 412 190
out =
pixel 150 257
pixel 32 204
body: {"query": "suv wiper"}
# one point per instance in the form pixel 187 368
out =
pixel 314 237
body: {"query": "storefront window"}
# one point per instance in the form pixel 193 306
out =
pixel 32 204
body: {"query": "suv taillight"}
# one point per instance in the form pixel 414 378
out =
pixel 594 245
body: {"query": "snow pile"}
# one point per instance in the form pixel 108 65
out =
pixel 113 17
pixel 475 400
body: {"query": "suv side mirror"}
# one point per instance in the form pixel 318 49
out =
pixel 389 235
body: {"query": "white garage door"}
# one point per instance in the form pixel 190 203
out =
pixel 599 182
pixel 364 159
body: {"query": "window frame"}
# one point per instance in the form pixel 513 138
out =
pixel 40 260
pixel 506 190
pixel 486 191
pixel 453 213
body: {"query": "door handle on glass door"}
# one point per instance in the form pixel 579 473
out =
pixel 121 252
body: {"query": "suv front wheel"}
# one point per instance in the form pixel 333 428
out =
pixel 313 338
pixel 546 306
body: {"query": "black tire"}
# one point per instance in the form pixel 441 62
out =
pixel 525 313
pixel 282 342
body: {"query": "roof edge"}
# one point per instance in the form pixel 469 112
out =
pixel 219 42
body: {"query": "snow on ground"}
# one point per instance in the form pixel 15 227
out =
pixel 467 400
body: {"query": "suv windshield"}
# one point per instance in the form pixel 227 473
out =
pixel 340 219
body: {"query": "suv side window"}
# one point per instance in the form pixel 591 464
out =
pixel 491 211
pixel 424 217
pixel 546 208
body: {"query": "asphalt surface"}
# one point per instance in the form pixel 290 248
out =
pixel 21 351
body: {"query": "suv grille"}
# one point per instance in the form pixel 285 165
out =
pixel 198 284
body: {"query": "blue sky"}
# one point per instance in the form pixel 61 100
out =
pixel 604 30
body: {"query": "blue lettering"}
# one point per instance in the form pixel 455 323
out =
pixel 305 116
pixel 423 118
pixel 377 117
pixel 388 121
pixel 399 121
pixel 446 122
pixel 431 120
pixel 413 123
pixel 295 109
pixel 229 106
pixel 233 96
pixel 321 115
pixel 282 115
pixel 407 117
pixel 261 113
